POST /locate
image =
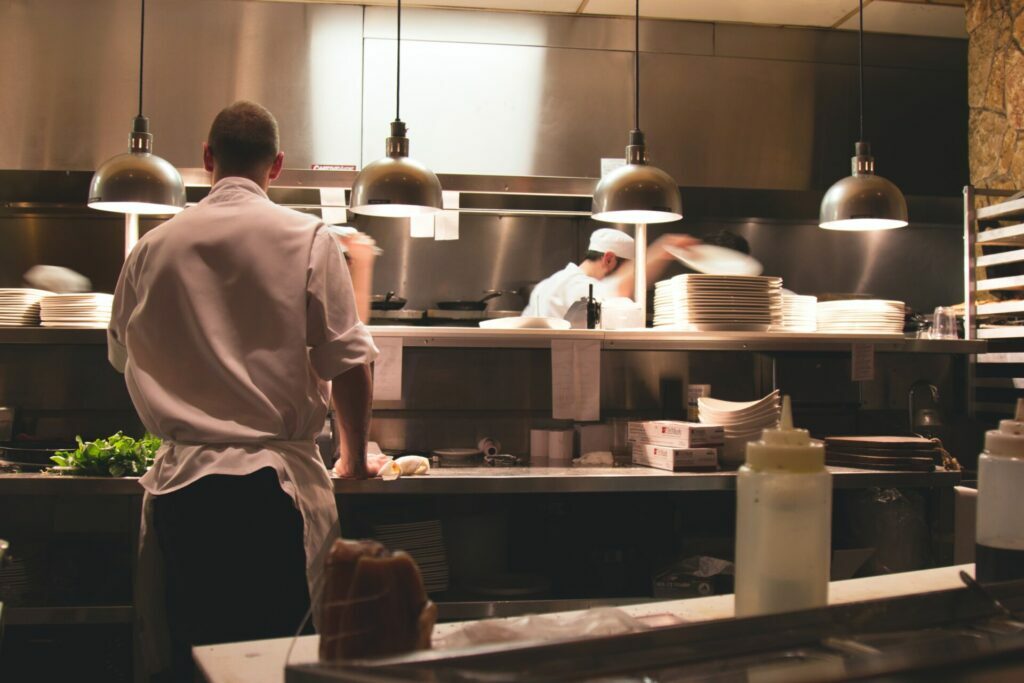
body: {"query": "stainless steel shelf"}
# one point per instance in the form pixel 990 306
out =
pixel 1002 211
pixel 1001 332
pixel 1015 256
pixel 1001 307
pixel 501 480
pixel 1001 283
pixel 1010 357
pixel 1011 235
pixel 45 616
pixel 635 340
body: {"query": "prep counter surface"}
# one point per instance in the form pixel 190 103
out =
pixel 623 340
pixel 263 661
pixel 510 480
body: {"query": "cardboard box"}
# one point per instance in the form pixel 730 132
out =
pixel 676 434
pixel 675 459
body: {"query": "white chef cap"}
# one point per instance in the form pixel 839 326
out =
pixel 615 241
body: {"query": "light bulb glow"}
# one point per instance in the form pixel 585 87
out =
pixel 863 224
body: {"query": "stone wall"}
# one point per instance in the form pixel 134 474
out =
pixel 995 92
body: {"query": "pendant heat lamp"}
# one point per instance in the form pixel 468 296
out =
pixel 637 192
pixel 396 186
pixel 863 201
pixel 138 181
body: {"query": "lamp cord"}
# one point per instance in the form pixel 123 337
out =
pixel 636 68
pixel 398 64
pixel 142 46
pixel 860 62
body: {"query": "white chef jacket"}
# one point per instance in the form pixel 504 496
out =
pixel 551 298
pixel 228 321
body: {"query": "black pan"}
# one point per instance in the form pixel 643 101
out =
pixel 31 456
pixel 460 305
pixel 387 302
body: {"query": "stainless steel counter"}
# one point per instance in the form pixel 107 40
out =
pixel 624 340
pixel 512 480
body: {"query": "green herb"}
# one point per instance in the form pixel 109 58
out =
pixel 117 456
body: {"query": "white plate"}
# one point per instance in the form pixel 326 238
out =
pixel 708 258
pixel 525 323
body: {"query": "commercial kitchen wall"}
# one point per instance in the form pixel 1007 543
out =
pixel 770 111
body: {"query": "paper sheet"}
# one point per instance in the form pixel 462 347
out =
pixel 387 370
pixel 446 223
pixel 862 365
pixel 335 215
pixel 422 225
pixel 576 380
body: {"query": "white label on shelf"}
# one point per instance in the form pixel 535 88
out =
pixel 576 380
pixel 387 370
pixel 862 364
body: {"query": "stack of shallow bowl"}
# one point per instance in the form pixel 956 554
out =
pixel 741 421
pixel 799 313
pixel 861 316
pixel 19 307
pixel 718 303
pixel 87 310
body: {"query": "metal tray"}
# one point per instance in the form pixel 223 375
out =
pixel 930 636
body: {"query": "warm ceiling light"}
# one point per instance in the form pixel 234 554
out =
pixel 637 193
pixel 396 186
pixel 138 181
pixel 863 201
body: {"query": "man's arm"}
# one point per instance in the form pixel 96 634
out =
pixel 352 396
pixel 362 252
pixel 658 261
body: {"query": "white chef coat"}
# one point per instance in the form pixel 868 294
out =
pixel 229 320
pixel 551 298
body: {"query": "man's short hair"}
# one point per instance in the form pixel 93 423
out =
pixel 244 139
pixel 592 255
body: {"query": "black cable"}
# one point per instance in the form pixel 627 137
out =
pixel 636 69
pixel 398 68
pixel 142 47
pixel 860 62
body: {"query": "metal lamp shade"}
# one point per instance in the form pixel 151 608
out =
pixel 637 193
pixel 396 187
pixel 863 202
pixel 137 182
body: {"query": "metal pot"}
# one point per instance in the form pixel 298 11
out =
pixel 461 305
pixel 387 302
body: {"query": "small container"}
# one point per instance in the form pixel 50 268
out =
pixel 783 522
pixel 999 538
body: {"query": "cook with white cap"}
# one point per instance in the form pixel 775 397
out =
pixel 608 266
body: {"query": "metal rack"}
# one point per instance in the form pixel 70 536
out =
pixel 994 239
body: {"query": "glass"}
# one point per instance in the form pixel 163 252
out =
pixel 944 323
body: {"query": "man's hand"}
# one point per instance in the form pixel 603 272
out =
pixel 658 250
pixel 362 249
pixel 362 252
pixel 371 467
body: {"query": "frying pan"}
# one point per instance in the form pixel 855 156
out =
pixel 387 302
pixel 461 305
pixel 35 456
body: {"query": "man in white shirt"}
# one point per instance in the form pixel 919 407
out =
pixel 229 322
pixel 607 266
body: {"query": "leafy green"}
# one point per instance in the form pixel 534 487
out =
pixel 117 456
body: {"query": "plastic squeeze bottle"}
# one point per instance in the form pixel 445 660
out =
pixel 999 549
pixel 783 522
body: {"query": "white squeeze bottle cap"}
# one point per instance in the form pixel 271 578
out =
pixel 786 448
pixel 1008 440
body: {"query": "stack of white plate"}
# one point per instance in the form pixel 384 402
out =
pixel 20 307
pixel 861 316
pixel 742 422
pixel 718 303
pixel 425 543
pixel 90 310
pixel 799 313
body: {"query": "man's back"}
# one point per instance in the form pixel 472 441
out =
pixel 216 313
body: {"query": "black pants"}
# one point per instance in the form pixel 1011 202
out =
pixel 234 563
